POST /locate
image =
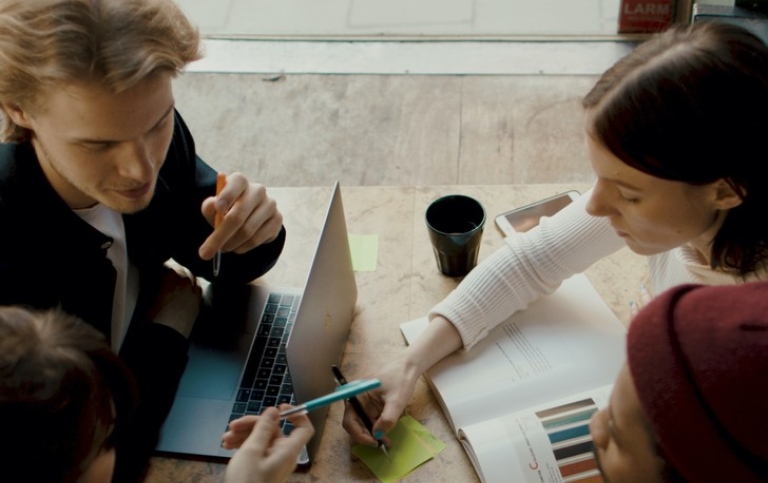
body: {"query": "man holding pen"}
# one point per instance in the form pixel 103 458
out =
pixel 100 186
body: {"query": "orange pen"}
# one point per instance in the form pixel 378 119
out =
pixel 221 181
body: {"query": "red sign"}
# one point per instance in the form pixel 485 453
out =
pixel 645 16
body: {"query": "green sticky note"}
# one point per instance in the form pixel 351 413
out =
pixel 412 446
pixel 365 252
pixel 426 435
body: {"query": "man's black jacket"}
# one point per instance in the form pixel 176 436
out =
pixel 49 257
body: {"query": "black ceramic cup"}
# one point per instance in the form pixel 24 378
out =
pixel 455 224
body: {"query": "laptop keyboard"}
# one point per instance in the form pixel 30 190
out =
pixel 266 381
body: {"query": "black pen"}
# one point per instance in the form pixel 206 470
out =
pixel 358 408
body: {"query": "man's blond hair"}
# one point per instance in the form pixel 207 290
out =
pixel 116 43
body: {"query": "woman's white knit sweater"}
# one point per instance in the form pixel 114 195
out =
pixel 536 262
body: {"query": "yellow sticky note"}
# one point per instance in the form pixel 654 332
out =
pixel 365 252
pixel 412 446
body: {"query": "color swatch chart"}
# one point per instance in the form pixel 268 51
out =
pixel 567 428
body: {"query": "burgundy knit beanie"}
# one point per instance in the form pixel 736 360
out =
pixel 699 360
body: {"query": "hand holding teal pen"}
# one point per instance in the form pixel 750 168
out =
pixel 345 391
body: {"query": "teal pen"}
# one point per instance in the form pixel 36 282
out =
pixel 342 392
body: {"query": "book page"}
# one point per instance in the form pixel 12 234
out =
pixel 561 344
pixel 547 444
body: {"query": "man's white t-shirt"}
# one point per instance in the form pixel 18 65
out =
pixel 110 223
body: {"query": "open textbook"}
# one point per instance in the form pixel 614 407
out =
pixel 521 399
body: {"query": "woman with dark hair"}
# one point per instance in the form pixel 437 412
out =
pixel 674 133
pixel 692 106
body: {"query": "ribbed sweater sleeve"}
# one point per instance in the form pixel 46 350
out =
pixel 528 265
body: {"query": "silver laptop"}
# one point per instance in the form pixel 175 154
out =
pixel 260 346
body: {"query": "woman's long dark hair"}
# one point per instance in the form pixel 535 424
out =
pixel 691 105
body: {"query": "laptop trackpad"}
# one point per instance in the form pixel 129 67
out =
pixel 211 374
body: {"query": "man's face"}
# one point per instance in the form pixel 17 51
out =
pixel 99 147
pixel 624 447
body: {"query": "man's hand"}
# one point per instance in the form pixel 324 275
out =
pixel 250 218
pixel 177 304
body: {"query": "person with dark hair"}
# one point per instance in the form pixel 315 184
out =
pixel 690 403
pixel 674 133
pixel 100 187
pixel 66 400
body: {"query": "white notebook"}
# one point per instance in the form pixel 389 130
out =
pixel 566 347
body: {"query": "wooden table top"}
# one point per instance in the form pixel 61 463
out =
pixel 405 285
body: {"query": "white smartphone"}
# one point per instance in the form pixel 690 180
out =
pixel 526 217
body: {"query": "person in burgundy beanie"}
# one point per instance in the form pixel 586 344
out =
pixel 691 404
